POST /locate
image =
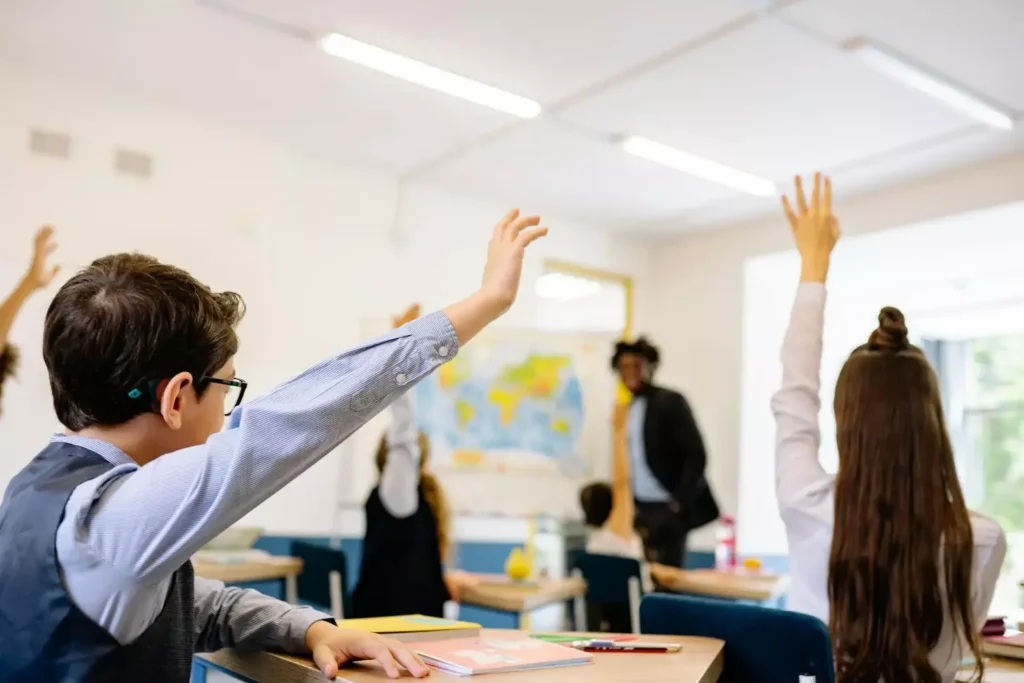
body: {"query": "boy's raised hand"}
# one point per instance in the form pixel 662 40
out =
pixel 511 236
pixel 502 273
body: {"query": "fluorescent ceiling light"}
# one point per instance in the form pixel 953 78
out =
pixel 428 76
pixel 562 287
pixel 695 165
pixel 899 68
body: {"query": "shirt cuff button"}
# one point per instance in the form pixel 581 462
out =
pixel 401 379
pixel 442 351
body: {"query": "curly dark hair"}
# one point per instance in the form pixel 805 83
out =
pixel 641 347
pixel 8 364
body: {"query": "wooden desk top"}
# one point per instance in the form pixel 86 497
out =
pixel 251 570
pixel 999 670
pixel 699 662
pixel 507 596
pixel 738 586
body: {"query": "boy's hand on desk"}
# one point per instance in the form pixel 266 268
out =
pixel 331 647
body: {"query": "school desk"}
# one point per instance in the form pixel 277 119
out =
pixel 272 568
pixel 1000 670
pixel 502 595
pixel 738 585
pixel 700 661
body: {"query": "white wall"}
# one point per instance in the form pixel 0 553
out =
pixel 697 316
pixel 956 277
pixel 308 244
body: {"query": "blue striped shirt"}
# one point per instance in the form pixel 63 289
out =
pixel 127 531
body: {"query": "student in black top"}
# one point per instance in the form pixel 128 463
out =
pixel 667 457
pixel 408 525
pixel 39 275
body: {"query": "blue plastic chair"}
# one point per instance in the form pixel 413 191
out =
pixel 323 578
pixel 613 585
pixel 762 645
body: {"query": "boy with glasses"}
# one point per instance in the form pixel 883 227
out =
pixel 97 531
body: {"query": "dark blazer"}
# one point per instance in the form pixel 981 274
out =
pixel 675 453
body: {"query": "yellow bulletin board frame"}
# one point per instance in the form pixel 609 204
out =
pixel 567 268
pixel 626 281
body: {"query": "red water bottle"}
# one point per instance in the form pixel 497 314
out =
pixel 725 545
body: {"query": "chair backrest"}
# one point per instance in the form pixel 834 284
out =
pixel 315 584
pixel 762 645
pixel 614 591
pixel 608 577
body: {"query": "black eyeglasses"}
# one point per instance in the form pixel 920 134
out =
pixel 232 397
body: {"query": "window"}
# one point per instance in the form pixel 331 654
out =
pixel 992 461
pixel 575 298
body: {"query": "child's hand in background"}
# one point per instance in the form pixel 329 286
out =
pixel 408 316
pixel 620 417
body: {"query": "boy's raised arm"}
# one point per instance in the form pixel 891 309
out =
pixel 140 524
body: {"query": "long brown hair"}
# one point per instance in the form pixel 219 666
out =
pixel 432 492
pixel 902 545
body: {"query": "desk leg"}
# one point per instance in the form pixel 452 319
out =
pixel 291 589
pixel 198 672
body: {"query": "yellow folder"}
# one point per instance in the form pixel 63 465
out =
pixel 409 623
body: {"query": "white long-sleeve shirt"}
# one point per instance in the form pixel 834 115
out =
pixel 806 493
pixel 400 479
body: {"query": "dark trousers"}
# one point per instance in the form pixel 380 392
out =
pixel 663 532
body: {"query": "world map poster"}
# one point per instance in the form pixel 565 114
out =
pixel 518 402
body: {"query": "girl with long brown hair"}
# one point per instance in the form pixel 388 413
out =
pixel 886 551
pixel 408 525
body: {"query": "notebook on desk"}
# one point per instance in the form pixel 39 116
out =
pixel 413 627
pixel 1010 645
pixel 497 654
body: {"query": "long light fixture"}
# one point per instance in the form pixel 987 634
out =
pixel 899 68
pixel 428 76
pixel 698 166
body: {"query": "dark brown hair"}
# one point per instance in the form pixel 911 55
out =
pixel 126 322
pixel 596 500
pixel 432 493
pixel 902 545
pixel 8 366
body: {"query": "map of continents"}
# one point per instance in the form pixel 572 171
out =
pixel 504 405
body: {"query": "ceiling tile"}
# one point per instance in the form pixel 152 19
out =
pixel 972 146
pixel 539 49
pixel 770 101
pixel 246 77
pixel 977 43
pixel 563 172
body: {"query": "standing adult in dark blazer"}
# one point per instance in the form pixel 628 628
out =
pixel 666 456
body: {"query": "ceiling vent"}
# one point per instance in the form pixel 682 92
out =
pixel 54 145
pixel 136 164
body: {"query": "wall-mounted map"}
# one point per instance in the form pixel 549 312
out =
pixel 509 403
